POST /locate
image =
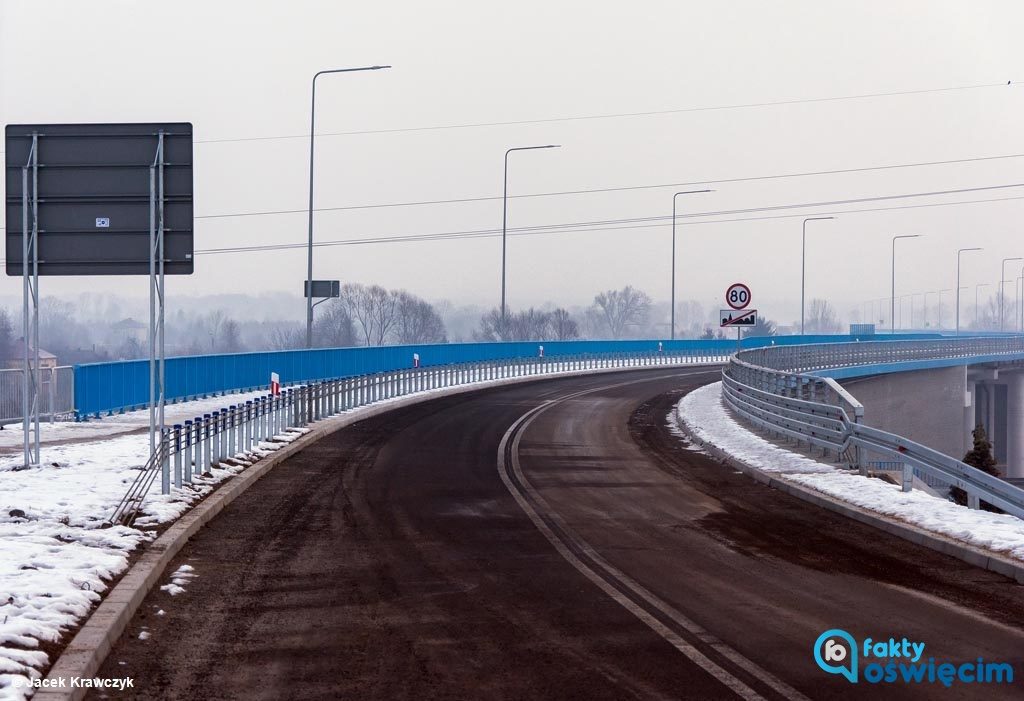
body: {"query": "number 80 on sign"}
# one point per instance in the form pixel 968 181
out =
pixel 737 296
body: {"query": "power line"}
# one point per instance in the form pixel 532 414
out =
pixel 754 178
pixel 530 231
pixel 588 227
pixel 617 115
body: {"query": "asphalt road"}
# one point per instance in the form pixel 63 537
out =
pixel 549 540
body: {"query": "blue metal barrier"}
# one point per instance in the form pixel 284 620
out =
pixel 105 388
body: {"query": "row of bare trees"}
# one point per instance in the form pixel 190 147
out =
pixel 370 315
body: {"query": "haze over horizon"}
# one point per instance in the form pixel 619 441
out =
pixel 240 72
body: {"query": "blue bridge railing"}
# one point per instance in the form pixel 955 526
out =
pixel 104 388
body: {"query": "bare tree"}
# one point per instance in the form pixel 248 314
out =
pixel 623 308
pixel 230 337
pixel 7 348
pixel 372 308
pixel 416 321
pixel 562 327
pixel 333 326
pixel 493 327
pixel 288 337
pixel 821 318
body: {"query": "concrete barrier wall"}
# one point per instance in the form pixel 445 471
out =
pixel 926 406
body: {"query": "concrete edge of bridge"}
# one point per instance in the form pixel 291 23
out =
pixel 970 554
pixel 88 649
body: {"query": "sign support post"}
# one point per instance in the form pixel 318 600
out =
pixel 30 306
pixel 156 305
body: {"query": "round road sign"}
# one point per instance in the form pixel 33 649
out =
pixel 737 296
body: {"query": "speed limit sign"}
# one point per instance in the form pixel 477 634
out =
pixel 737 296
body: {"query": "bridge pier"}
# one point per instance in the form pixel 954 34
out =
pixel 1015 425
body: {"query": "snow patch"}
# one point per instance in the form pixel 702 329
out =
pixel 707 418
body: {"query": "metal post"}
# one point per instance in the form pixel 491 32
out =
pixel 958 253
pixel 688 192
pixel 504 223
pixel 892 317
pixel 176 443
pixel 187 450
pixel 30 305
pixel 312 126
pixel 803 266
pixel 1002 285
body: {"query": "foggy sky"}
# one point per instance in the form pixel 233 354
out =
pixel 243 69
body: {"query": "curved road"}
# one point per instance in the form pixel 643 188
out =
pixel 547 540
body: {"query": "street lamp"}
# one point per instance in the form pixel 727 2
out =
pixel 504 218
pixel 803 266
pixel 1002 286
pixel 686 192
pixel 309 250
pixel 940 305
pixel 892 322
pixel 976 288
pixel 960 251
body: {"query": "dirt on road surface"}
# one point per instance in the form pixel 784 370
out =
pixel 545 541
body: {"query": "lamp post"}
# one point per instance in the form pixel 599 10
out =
pixel 1002 286
pixel 686 192
pixel 892 322
pixel 1020 302
pixel 504 220
pixel 309 250
pixel 940 304
pixel 803 266
pixel 976 288
pixel 958 253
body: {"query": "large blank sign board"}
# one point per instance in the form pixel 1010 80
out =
pixel 94 197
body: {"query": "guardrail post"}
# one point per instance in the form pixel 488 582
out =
pixel 165 462
pixel 973 502
pixel 908 477
pixel 207 448
pixel 176 443
pixel 247 426
pixel 186 449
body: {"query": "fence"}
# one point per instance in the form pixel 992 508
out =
pixel 773 390
pixel 56 395
pixel 191 448
pixel 103 388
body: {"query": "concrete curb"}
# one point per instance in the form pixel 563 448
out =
pixel 86 652
pixel 970 554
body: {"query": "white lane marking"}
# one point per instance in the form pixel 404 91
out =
pixel 722 675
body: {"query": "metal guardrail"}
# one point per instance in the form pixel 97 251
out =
pixel 56 395
pixel 770 389
pixel 192 448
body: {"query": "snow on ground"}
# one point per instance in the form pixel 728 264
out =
pixel 707 418
pixel 57 559
pixel 182 576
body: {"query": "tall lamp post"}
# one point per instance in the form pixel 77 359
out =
pixel 309 249
pixel 803 266
pixel 686 192
pixel 976 288
pixel 940 305
pixel 958 253
pixel 504 218
pixel 1002 286
pixel 892 317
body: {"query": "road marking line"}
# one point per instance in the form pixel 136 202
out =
pixel 568 537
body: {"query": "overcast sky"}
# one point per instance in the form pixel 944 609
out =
pixel 242 70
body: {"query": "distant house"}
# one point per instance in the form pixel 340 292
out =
pixel 46 358
pixel 130 328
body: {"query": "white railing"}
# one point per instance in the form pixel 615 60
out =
pixel 56 394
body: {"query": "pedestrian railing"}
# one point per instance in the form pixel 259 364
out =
pixel 770 388
pixel 56 394
pixel 236 431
